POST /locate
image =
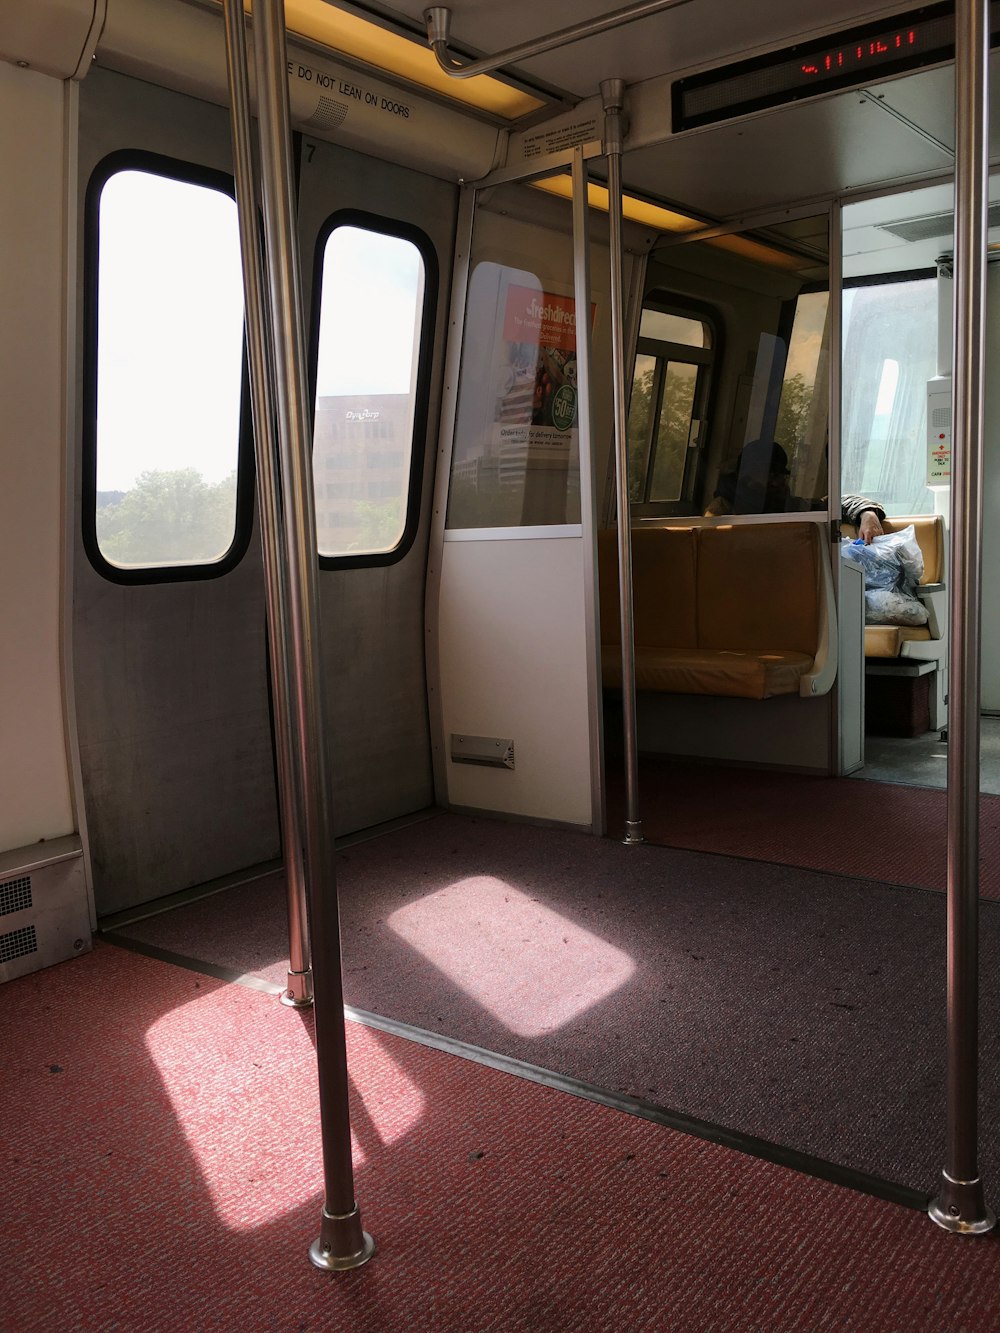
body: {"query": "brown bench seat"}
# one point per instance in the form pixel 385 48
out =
pixel 745 675
pixel 740 610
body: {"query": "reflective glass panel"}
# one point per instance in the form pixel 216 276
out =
pixel 639 413
pixel 890 353
pixel 673 329
pixel 672 430
pixel 516 461
pixel 743 415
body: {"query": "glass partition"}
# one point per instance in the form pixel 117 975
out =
pixel 730 392
pixel 516 460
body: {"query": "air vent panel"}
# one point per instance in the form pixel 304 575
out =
pixel 15 895
pixel 18 944
pixel 934 226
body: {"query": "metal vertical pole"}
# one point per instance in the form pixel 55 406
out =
pixel 299 992
pixel 613 100
pixel 588 500
pixel 960 1205
pixel 341 1243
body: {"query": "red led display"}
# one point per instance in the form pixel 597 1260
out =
pixel 849 59
pixel 865 53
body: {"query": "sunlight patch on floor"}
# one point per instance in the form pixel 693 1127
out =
pixel 250 1112
pixel 533 969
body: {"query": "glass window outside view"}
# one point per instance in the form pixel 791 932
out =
pixel 169 372
pixel 371 310
pixel 890 352
pixel 668 328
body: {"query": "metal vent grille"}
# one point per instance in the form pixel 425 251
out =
pixel 15 895
pixel 18 943
pixel 934 225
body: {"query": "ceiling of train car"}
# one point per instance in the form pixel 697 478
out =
pixel 696 33
pixel 892 131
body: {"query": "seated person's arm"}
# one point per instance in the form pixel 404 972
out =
pixel 865 515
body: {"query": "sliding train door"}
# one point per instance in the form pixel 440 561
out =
pixel 169 642
pixel 376 237
pixel 168 618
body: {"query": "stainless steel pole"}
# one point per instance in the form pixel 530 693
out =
pixel 438 20
pixel 588 498
pixel 960 1205
pixel 299 992
pixel 613 99
pixel 341 1243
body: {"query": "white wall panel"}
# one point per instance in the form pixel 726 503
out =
pixel 35 799
pixel 513 664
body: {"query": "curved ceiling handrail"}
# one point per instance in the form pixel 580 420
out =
pixel 438 20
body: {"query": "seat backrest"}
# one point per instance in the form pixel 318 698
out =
pixel 663 587
pixel 759 586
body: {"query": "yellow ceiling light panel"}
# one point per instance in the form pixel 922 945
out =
pixel 636 210
pixel 353 36
pixel 760 253
pixel 665 219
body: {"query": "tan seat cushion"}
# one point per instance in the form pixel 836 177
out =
pixel 887 640
pixel 745 675
pixel 758 587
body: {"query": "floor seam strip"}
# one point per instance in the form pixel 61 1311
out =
pixel 763 1149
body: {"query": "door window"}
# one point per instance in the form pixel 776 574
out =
pixel 165 493
pixel 374 320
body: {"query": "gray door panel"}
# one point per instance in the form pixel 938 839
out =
pixel 171 679
pixel 373 618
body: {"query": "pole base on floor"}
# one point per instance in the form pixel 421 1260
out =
pixel 633 832
pixel 961 1208
pixel 299 994
pixel 341 1244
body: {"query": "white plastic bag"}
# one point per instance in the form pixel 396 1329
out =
pixel 893 560
pixel 892 606
pixel 893 565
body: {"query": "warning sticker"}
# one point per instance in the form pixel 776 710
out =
pixel 560 137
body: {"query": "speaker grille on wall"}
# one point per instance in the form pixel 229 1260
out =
pixel 329 115
pixel 15 895
pixel 18 944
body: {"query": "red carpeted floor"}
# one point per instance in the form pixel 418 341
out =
pixel 876 830
pixel 160 1161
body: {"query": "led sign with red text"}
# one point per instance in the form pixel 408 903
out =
pixel 851 59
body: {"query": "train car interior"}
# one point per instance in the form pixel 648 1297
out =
pixel 501 698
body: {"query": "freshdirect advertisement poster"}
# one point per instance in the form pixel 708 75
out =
pixel 537 402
